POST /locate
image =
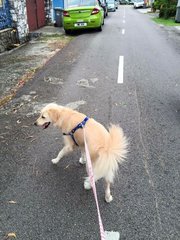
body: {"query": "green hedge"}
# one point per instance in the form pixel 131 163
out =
pixel 167 12
pixel 167 8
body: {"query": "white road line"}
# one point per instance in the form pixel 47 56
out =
pixel 123 31
pixel 120 70
pixel 112 235
pixel 124 13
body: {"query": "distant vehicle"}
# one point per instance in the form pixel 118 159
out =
pixel 131 2
pixel 111 5
pixel 104 5
pixel 117 4
pixel 123 2
pixel 138 3
pixel 83 14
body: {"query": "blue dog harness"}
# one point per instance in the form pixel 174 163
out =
pixel 80 125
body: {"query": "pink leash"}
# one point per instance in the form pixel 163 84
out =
pixel 93 185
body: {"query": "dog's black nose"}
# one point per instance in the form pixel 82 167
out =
pixel 35 123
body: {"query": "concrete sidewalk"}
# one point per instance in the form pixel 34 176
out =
pixel 19 65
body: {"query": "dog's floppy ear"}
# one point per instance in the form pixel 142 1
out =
pixel 54 114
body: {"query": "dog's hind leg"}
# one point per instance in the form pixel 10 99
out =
pixel 108 179
pixel 87 184
pixel 108 196
pixel 66 149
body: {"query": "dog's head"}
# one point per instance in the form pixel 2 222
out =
pixel 49 114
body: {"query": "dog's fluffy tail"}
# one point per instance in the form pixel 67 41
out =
pixel 113 154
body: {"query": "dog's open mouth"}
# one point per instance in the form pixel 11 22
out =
pixel 46 125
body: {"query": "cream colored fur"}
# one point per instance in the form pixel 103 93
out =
pixel 107 148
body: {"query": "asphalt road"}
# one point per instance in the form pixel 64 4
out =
pixel 42 201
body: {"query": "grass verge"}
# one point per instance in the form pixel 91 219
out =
pixel 165 22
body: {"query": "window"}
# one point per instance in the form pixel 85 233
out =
pixel 78 3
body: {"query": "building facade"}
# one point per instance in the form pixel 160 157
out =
pixel 20 17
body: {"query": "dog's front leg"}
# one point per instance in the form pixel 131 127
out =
pixel 82 159
pixel 66 149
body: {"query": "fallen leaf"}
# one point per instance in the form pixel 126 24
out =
pixel 67 166
pixel 24 126
pixel 21 83
pixel 29 137
pixel 12 202
pixel 11 235
pixel 7 127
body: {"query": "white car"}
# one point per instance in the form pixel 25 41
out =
pixel 138 3
pixel 117 4
pixel 111 5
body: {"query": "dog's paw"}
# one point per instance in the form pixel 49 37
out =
pixel 108 198
pixel 87 184
pixel 82 160
pixel 55 161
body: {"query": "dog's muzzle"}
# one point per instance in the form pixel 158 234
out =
pixel 45 125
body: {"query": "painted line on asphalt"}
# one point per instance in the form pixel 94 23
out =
pixel 123 31
pixel 112 235
pixel 124 13
pixel 120 70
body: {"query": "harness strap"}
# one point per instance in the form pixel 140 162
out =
pixel 80 125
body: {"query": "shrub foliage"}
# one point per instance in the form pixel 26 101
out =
pixel 167 8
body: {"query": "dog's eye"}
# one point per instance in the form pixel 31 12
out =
pixel 43 116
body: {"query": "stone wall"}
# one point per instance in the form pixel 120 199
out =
pixel 19 33
pixel 48 11
pixel 8 39
pixel 19 18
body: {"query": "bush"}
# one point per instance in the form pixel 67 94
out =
pixel 167 8
pixel 167 12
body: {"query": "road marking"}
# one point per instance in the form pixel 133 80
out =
pixel 123 31
pixel 124 21
pixel 124 13
pixel 112 235
pixel 120 69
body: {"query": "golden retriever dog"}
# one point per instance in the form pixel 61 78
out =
pixel 107 148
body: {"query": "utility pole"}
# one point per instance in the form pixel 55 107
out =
pixel 177 18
